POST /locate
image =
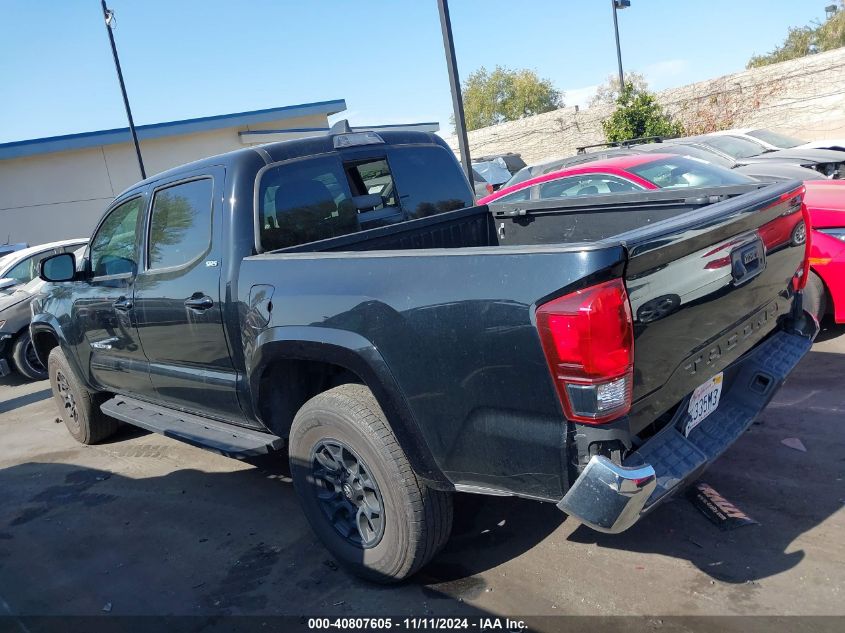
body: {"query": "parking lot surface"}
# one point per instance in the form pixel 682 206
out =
pixel 145 525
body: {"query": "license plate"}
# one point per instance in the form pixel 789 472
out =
pixel 704 401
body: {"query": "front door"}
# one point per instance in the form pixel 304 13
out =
pixel 177 298
pixel 103 305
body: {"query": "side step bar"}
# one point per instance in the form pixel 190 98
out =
pixel 218 437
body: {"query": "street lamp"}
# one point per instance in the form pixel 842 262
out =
pixel 830 10
pixel 108 16
pixel 617 6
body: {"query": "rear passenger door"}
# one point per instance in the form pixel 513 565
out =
pixel 178 297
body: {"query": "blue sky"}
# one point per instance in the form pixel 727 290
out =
pixel 189 58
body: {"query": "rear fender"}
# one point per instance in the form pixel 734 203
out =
pixel 356 354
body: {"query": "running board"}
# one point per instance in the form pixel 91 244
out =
pixel 218 437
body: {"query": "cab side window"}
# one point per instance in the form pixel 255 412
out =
pixel 180 227
pixel 113 249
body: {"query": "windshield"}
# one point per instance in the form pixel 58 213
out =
pixel 4 262
pixel 778 140
pixel 735 146
pixel 685 171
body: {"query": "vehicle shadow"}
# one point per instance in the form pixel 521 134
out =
pixel 217 543
pixel 788 491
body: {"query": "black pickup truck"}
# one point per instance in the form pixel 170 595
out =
pixel 339 299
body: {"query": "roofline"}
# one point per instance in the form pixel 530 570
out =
pixel 31 147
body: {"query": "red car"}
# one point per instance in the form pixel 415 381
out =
pixel 825 201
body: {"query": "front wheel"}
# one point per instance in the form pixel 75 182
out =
pixel 358 490
pixel 77 406
pixel 26 360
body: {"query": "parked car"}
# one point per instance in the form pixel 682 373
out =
pixel 825 202
pixel 236 304
pixel 513 162
pixel 480 186
pixel 494 171
pixel 625 173
pixel 768 170
pixel 745 151
pixel 824 199
pixel 19 283
pixel 775 140
pixel 5 249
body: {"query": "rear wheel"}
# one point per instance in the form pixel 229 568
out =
pixel 78 407
pixel 358 490
pixel 25 359
pixel 815 296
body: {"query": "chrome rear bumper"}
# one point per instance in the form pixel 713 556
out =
pixel 609 497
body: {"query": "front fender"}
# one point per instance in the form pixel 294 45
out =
pixel 48 324
pixel 358 355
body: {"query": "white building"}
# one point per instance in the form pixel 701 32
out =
pixel 58 187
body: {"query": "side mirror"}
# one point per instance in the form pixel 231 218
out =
pixel 61 267
pixel 8 282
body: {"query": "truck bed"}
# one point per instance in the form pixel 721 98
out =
pixel 578 220
pixel 458 292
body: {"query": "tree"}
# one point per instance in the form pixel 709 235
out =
pixel 805 40
pixel 638 114
pixel 506 95
pixel 608 92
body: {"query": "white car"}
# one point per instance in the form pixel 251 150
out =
pixel 776 140
pixel 21 266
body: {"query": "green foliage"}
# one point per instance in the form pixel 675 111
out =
pixel 506 95
pixel 638 114
pixel 805 40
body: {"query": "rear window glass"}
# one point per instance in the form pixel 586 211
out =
pixel 305 201
pixel 683 171
pixel 325 196
pixel 429 181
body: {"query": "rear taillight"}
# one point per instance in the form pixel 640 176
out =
pixel 800 279
pixel 489 188
pixel 588 340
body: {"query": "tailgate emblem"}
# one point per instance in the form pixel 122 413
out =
pixel 748 261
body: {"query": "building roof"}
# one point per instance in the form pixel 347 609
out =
pixel 31 147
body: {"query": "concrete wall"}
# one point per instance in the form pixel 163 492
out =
pixel 805 97
pixel 62 195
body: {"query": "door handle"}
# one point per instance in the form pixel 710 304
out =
pixel 123 304
pixel 199 303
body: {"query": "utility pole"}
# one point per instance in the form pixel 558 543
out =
pixel 108 15
pixel 617 5
pixel 455 85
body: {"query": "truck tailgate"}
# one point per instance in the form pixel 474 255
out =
pixel 705 288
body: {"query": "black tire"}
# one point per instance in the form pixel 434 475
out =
pixel 815 296
pixel 25 360
pixel 78 407
pixel 414 520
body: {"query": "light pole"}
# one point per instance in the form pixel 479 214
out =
pixel 617 6
pixel 108 15
pixel 455 85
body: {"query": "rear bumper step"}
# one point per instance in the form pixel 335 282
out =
pixel 611 498
pixel 218 437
